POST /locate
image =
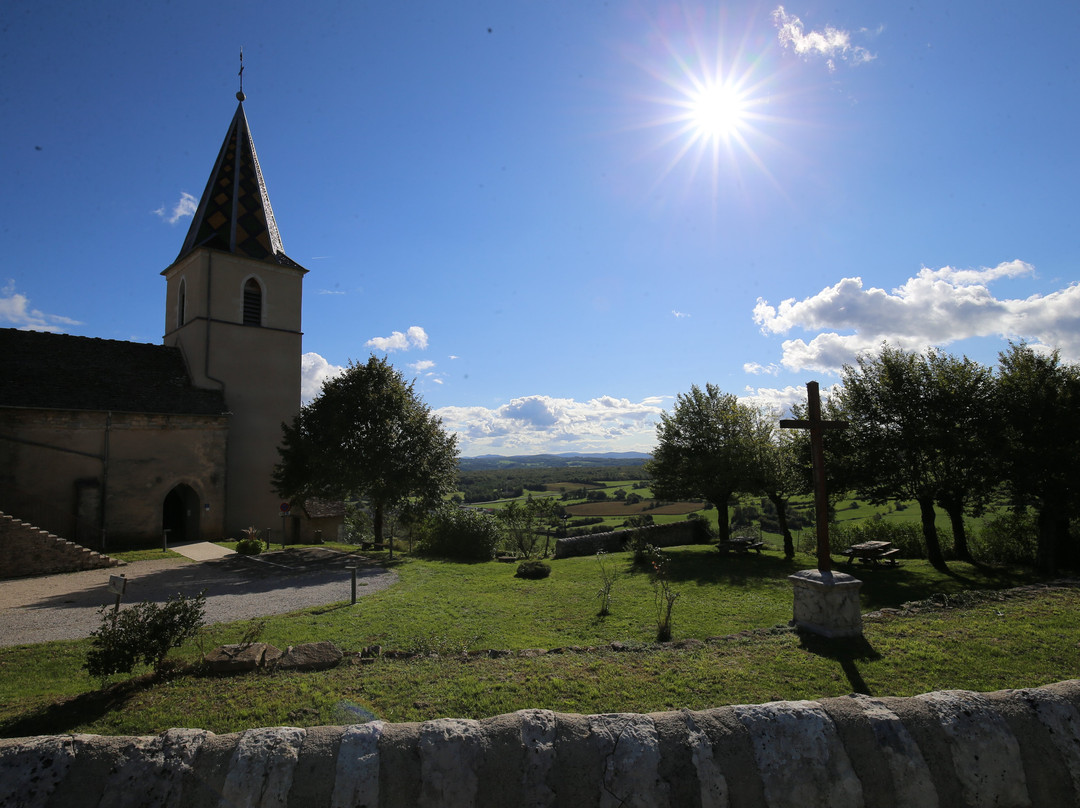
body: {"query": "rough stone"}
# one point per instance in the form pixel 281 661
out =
pixel 241 658
pixel 310 656
pixel 827 603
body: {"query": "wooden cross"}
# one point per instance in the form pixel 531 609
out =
pixel 817 429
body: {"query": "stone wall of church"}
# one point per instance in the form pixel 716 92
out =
pixel 55 464
pixel 948 749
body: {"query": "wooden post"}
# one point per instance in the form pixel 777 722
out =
pixel 817 428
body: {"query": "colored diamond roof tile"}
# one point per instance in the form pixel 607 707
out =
pixel 234 214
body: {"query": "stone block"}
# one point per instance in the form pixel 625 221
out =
pixel 827 603
pixel 241 658
pixel 310 656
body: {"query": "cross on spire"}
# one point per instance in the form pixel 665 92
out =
pixel 817 428
pixel 240 95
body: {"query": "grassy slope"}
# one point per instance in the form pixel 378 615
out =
pixel 447 607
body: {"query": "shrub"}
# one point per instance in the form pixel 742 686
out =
pixel 459 533
pixel 534 570
pixel 1011 538
pixel 143 632
pixel 249 546
pixel 904 536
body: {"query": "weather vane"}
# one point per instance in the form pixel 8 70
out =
pixel 240 95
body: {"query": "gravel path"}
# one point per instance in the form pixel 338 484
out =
pixel 64 607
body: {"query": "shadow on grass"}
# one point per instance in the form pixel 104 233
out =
pixel 883 586
pixel 60 717
pixel 847 651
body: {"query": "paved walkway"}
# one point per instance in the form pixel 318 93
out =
pixel 202 550
pixel 238 587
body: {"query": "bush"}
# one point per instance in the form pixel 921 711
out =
pixel 533 570
pixel 1011 538
pixel 906 537
pixel 143 632
pixel 459 533
pixel 249 546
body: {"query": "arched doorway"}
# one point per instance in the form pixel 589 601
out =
pixel 180 514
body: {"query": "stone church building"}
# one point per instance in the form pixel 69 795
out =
pixel 110 443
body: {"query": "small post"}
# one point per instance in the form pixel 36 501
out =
pixel 117 585
pixel 165 539
pixel 353 569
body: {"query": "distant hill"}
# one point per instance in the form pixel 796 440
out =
pixel 563 460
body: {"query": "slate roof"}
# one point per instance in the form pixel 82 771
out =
pixel 234 214
pixel 60 371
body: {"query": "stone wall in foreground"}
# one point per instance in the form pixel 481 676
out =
pixel 948 749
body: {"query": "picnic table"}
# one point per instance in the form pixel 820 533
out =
pixel 873 552
pixel 740 544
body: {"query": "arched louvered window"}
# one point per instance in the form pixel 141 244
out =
pixel 252 302
pixel 181 303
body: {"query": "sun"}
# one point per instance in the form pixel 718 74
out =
pixel 716 112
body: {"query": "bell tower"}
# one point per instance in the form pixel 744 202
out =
pixel 232 305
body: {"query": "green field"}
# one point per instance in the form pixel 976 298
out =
pixel 733 609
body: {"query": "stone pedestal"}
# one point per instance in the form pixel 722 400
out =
pixel 827 603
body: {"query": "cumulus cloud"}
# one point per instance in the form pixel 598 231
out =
pixel 422 365
pixel 314 370
pixel 757 369
pixel 934 308
pixel 536 424
pixel 16 312
pixel 829 43
pixel 780 400
pixel 184 207
pixel 414 337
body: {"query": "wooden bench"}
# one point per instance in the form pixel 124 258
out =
pixel 740 546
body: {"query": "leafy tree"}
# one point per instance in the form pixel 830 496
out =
pixel 779 474
pixel 705 449
pixel 1040 399
pixel 367 435
pixel 463 533
pixel 522 523
pixel 921 427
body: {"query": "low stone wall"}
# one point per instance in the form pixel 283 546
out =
pixel 939 750
pixel 675 534
pixel 27 550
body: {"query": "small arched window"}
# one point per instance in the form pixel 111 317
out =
pixel 181 303
pixel 252 302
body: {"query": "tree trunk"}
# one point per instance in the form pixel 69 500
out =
pixel 781 518
pixel 1046 555
pixel 956 520
pixel 933 547
pixel 377 525
pixel 723 516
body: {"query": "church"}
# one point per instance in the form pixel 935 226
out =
pixel 114 444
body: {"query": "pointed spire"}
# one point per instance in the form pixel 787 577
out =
pixel 234 214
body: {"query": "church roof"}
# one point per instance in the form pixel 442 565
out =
pixel 64 372
pixel 234 214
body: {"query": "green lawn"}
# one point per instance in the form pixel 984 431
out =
pixel 738 605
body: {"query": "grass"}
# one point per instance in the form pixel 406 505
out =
pixel 737 605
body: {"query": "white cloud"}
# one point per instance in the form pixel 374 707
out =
pixel 414 337
pixel 314 370
pixel 184 207
pixel 780 400
pixel 536 424
pixel 830 43
pixel 422 365
pixel 15 311
pixel 678 314
pixel 936 307
pixel 756 369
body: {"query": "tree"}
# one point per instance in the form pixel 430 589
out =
pixel 1040 399
pixel 705 449
pixel 367 435
pixel 920 427
pixel 778 473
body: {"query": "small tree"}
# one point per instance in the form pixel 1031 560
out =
pixel 705 449
pixel 367 434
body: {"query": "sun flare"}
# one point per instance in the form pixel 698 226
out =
pixel 716 111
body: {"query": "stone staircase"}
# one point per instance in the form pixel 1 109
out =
pixel 27 550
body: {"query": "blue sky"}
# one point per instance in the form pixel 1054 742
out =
pixel 534 209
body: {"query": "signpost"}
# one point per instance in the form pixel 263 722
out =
pixel 285 508
pixel 117 586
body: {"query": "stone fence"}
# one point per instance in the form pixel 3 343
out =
pixel 675 534
pixel 939 750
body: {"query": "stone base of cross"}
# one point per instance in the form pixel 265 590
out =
pixel 826 602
